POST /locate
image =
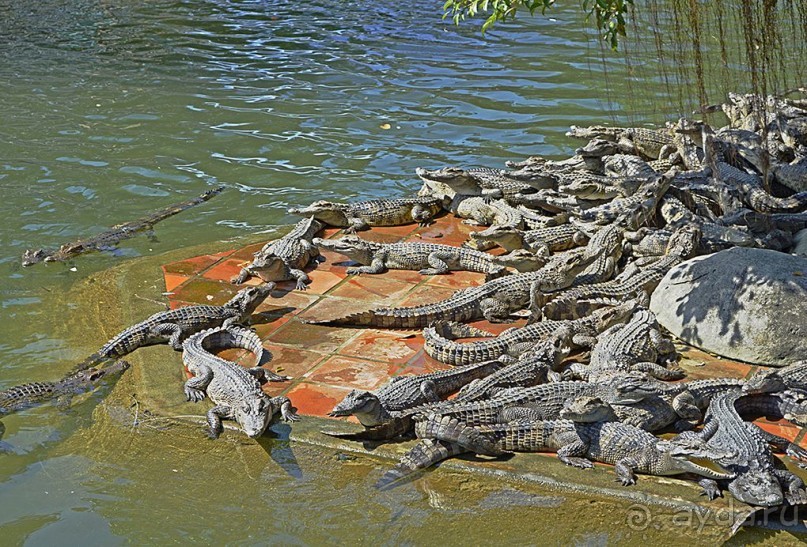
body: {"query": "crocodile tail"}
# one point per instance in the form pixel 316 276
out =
pixel 439 345
pixel 232 337
pixel 446 428
pixel 424 454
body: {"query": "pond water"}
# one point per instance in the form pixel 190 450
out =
pixel 113 109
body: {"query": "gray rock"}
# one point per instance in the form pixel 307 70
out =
pixel 745 304
pixel 800 243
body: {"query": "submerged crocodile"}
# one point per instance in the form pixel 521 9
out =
pixel 404 392
pixel 235 390
pixel 427 258
pixel 286 257
pixel 174 326
pixel 110 238
pixel 494 300
pixel 27 395
pixel 376 212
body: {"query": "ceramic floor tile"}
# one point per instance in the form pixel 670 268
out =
pixel 319 338
pixel 426 294
pixel 371 288
pixel 205 291
pixel 699 364
pixel 315 400
pixel 457 280
pixel 332 307
pixel 294 362
pixel 246 254
pixel 172 281
pixel 780 428
pixel 421 363
pixel 387 346
pixel 226 270
pixel 191 266
pixel 349 372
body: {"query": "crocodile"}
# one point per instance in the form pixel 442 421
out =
pixel 756 481
pixel 285 258
pixel 494 300
pixel 647 143
pixel 543 400
pixel 490 183
pixel 554 201
pixel 542 241
pixel 772 380
pixel 401 393
pixel 235 390
pixel 174 326
pixel 636 345
pixel 477 211
pixel 25 396
pixel 377 212
pixel 580 301
pixel 634 211
pixel 427 258
pixel 629 166
pixel 108 239
pixel 628 448
pixel 750 185
pixel 534 366
pixel 439 345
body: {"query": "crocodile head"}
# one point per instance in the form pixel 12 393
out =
pixel 597 148
pixel 365 405
pixel 587 409
pixel 459 180
pixel 609 316
pixel 92 376
pixel 34 256
pixel 757 488
pixel 352 247
pixel 681 451
pixel 270 267
pixel 502 234
pixel 249 298
pixel 684 241
pixel 326 211
pixel 253 414
pixel 631 388
pixel 765 381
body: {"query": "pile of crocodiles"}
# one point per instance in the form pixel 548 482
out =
pixel 578 245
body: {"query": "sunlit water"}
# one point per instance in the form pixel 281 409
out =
pixel 113 109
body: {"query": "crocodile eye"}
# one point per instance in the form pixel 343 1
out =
pixel 245 409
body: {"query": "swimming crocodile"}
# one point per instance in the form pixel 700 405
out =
pixel 377 212
pixel 286 257
pixel 174 326
pixel 108 239
pixel 427 258
pixel 25 396
pixel 235 390
pixel 494 300
pixel 404 392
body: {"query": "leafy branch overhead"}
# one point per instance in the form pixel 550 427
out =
pixel 609 15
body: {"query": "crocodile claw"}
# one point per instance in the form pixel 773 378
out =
pixel 194 395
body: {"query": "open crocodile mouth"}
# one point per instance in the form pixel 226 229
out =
pixel 706 468
pixel 340 412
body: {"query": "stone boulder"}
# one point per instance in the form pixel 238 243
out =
pixel 741 303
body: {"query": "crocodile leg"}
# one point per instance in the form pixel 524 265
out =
pixel 356 224
pixel 172 331
pixel 377 266
pixel 572 454
pixel 301 277
pixel 780 444
pixel 214 416
pixel 286 410
pixel 437 261
pixel 263 375
pixel 624 470
pixel 195 387
pixel 789 481
pixel 710 488
pixel 429 390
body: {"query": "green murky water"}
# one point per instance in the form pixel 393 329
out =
pixel 113 109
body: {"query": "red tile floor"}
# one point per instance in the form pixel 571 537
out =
pixel 327 362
